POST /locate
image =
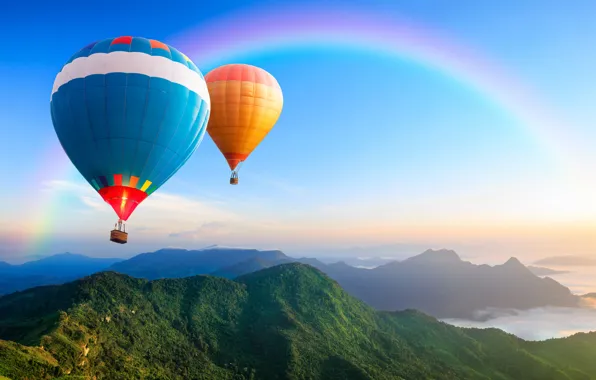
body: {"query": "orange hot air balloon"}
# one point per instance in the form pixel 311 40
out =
pixel 246 102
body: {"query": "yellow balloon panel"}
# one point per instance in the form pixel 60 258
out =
pixel 242 114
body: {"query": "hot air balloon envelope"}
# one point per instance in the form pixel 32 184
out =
pixel 129 112
pixel 246 103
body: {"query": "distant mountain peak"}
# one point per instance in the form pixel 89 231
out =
pixel 513 265
pixel 436 256
pixel 513 261
pixel 174 263
pixel 213 246
pixel 227 248
pixel 442 251
pixel 68 254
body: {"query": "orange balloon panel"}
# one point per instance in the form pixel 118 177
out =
pixel 246 102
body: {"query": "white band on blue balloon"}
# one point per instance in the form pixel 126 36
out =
pixel 137 63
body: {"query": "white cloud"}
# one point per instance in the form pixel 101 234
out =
pixel 160 215
pixel 170 214
pixel 94 203
pixel 206 230
pixel 588 302
pixel 537 324
pixel 67 186
pixel 177 203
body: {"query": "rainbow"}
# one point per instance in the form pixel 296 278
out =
pixel 272 28
pixel 46 203
pixel 259 30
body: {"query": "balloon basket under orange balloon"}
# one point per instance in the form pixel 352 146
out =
pixel 234 178
pixel 118 236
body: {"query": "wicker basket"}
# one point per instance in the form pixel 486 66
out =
pixel 118 237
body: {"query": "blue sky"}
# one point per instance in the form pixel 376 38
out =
pixel 372 148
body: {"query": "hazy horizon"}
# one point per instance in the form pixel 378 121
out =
pixel 579 279
pixel 398 251
pixel 534 324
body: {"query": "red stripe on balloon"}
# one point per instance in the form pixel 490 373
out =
pixel 126 40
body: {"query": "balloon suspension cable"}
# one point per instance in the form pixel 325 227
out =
pixel 120 225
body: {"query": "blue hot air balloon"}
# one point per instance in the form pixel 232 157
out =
pixel 129 112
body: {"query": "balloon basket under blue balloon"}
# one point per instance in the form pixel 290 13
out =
pixel 118 236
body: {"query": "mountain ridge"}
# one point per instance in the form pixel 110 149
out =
pixel 431 255
pixel 55 269
pixel 176 263
pixel 437 282
pixel 287 321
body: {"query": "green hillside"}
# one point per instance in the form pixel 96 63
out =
pixel 285 322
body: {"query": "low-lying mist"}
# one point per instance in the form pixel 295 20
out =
pixel 536 324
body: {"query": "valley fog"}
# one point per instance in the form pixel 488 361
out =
pixel 548 322
pixel 537 324
pixel 580 280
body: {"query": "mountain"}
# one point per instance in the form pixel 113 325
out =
pixel 10 282
pixel 442 256
pixel 257 263
pixel 248 266
pixel 176 263
pixel 439 283
pixel 311 261
pixel 358 262
pixel 567 261
pixel 55 269
pixel 542 271
pixel 66 264
pixel 60 265
pixel 436 282
pixel 285 322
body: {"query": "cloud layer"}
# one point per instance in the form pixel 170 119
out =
pixel 537 324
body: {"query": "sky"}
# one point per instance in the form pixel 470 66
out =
pixel 406 125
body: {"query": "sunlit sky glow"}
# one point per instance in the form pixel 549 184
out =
pixel 468 127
